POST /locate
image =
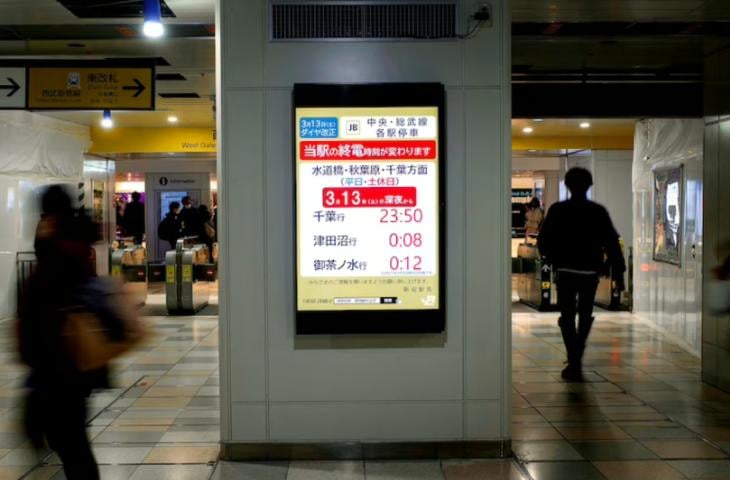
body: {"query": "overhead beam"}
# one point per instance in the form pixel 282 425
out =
pixel 630 100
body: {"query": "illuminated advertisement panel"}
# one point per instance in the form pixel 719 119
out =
pixel 369 167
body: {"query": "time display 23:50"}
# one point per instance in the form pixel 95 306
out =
pixel 401 215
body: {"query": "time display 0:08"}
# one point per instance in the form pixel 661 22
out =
pixel 401 215
pixel 406 240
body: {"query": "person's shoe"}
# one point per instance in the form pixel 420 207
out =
pixel 572 374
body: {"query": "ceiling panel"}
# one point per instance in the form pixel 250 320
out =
pixel 612 53
pixel 51 12
pixel 619 10
pixel 181 53
pixel 106 9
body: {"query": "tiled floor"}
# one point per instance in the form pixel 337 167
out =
pixel 162 422
pixel 643 415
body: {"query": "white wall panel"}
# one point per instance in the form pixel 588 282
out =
pixel 612 188
pixel 485 193
pixel 244 43
pixel 483 420
pixel 362 62
pixel 245 210
pixel 249 422
pixel 406 421
pixel 484 55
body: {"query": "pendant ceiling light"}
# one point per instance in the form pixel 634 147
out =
pixel 153 27
pixel 106 119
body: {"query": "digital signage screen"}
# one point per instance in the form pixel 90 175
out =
pixel 668 214
pixel 369 169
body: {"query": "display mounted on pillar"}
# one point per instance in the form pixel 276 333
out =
pixel 668 214
pixel 369 168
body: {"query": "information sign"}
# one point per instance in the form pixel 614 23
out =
pixel 90 88
pixel 12 88
pixel 369 212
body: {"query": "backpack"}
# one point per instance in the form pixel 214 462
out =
pixel 165 230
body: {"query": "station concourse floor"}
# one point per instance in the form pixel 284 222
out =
pixel 642 415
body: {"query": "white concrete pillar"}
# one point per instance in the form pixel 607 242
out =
pixel 280 389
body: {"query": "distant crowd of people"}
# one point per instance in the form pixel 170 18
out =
pixel 188 221
pixel 180 221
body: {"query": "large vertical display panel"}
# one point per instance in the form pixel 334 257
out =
pixel 369 168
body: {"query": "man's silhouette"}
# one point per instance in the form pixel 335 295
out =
pixel 576 238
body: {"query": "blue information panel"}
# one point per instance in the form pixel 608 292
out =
pixel 319 127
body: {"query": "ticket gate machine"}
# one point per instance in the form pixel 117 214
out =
pixel 129 265
pixel 536 279
pixel 188 275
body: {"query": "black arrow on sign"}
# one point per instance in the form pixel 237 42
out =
pixel 139 88
pixel 13 87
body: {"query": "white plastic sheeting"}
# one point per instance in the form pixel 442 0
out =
pixel 669 296
pixel 35 144
pixel 20 214
pixel 34 151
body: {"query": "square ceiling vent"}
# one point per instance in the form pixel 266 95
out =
pixel 110 8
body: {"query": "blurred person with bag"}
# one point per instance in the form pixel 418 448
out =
pixel 171 228
pixel 207 231
pixel 719 289
pixel 533 218
pixel 70 325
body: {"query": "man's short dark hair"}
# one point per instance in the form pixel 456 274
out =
pixel 174 205
pixel 187 200
pixel 578 180
pixel 136 196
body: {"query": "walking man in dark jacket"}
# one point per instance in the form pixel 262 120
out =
pixel 576 238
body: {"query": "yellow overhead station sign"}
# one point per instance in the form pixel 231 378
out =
pixel 152 140
pixel 91 88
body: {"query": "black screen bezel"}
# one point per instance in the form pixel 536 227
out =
pixel 375 95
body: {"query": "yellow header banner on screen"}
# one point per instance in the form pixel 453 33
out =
pixel 152 140
pixel 91 88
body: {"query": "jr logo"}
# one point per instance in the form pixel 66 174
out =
pixel 353 127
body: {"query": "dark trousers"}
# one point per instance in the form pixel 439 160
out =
pixel 576 294
pixel 62 418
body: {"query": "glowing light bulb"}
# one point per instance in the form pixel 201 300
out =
pixel 106 119
pixel 153 27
